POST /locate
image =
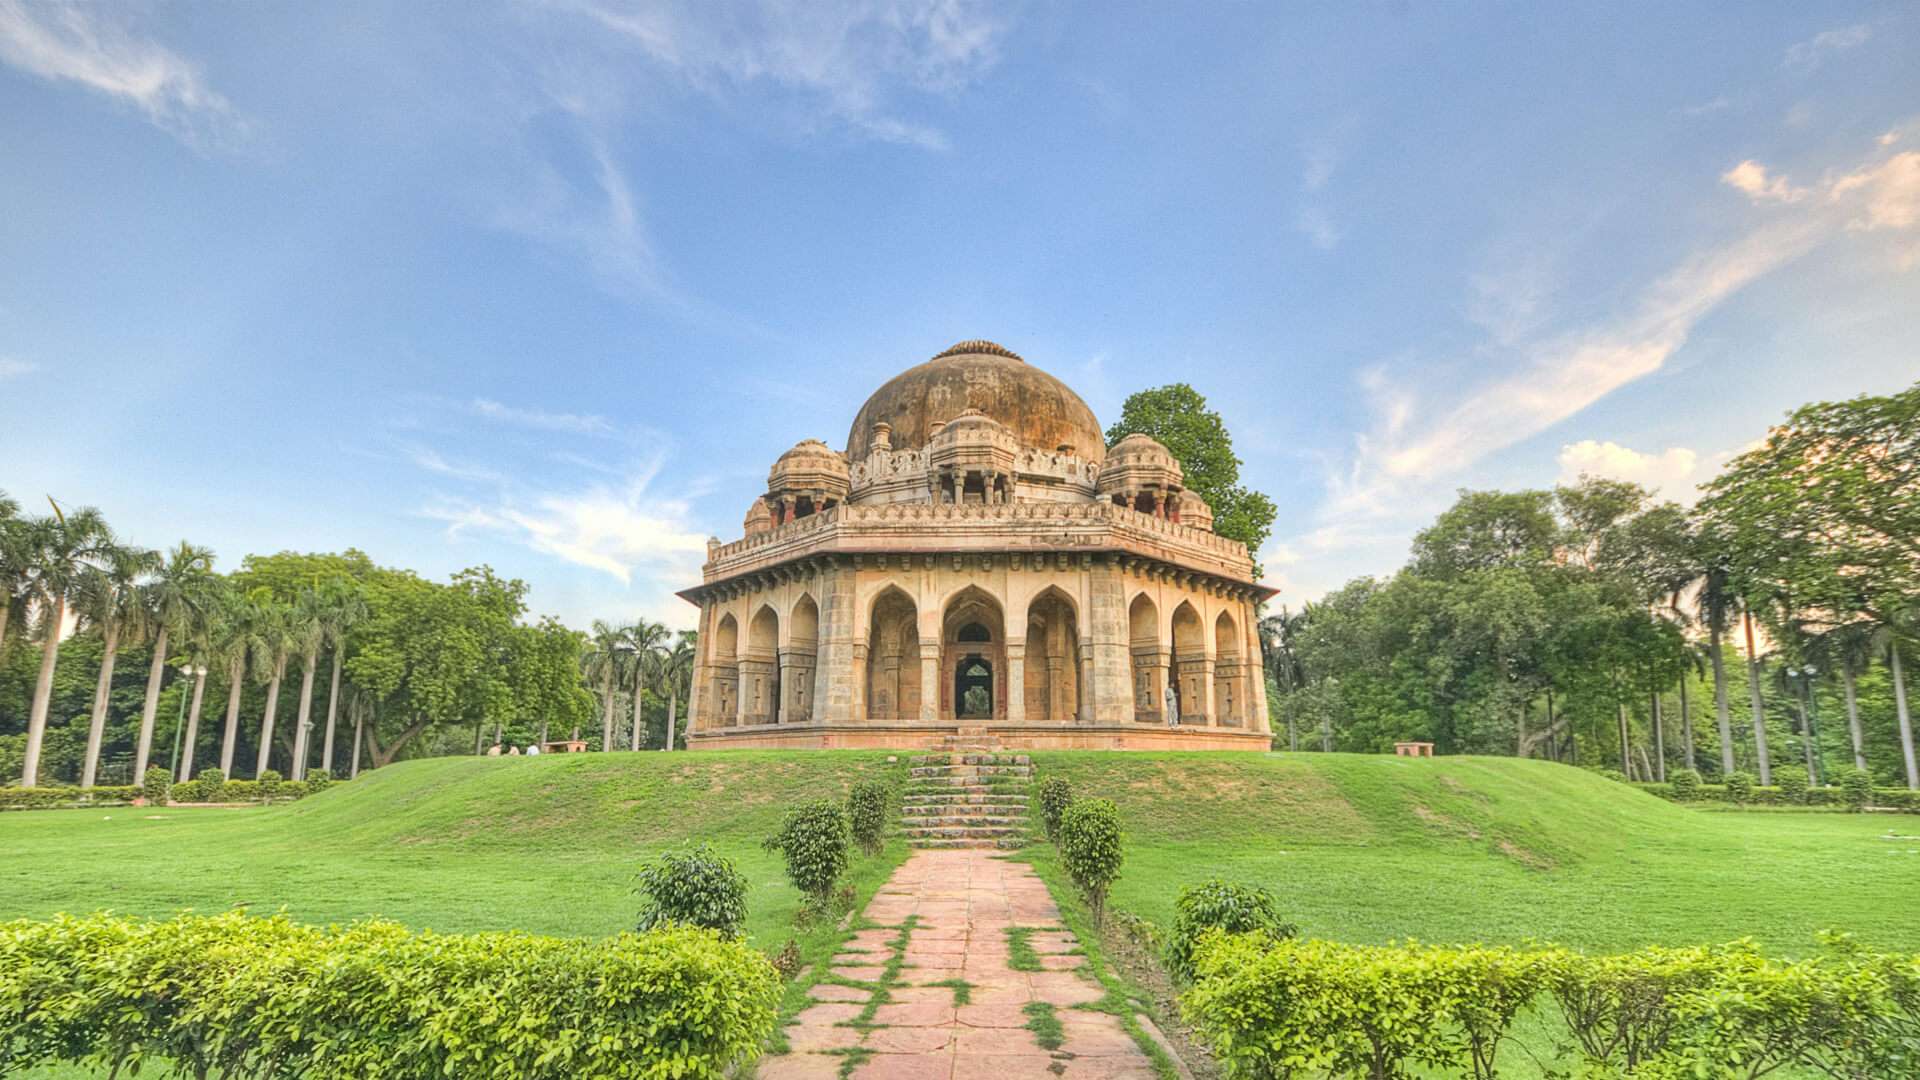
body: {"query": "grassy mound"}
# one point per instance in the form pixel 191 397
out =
pixel 1358 848
pixel 546 844
pixel 1370 848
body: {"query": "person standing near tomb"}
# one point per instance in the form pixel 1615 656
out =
pixel 1173 706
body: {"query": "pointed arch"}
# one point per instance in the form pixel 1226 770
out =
pixel 1231 689
pixel 723 689
pixel 1052 662
pixel 973 638
pixel 893 656
pixel 1149 656
pixel 760 668
pixel 799 660
pixel 1192 679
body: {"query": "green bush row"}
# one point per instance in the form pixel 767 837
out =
pixel 1882 798
pixel 236 996
pixel 199 790
pixel 1272 1007
pixel 53 798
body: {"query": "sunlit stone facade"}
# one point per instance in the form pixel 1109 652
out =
pixel 978 563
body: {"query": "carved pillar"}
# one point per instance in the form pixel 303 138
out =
pixel 1106 670
pixel 1256 710
pixel 931 690
pixel 1017 682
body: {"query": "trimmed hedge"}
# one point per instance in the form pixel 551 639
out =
pixel 232 995
pixel 697 886
pixel 1880 798
pixel 203 789
pixel 1056 794
pixel 1271 1007
pixel 813 839
pixel 54 798
pixel 867 813
pixel 1217 904
pixel 1091 846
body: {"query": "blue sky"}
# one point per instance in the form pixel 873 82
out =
pixel 548 285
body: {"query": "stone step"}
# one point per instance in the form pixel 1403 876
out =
pixel 966 810
pixel 971 770
pixel 964 823
pixel 968 776
pixel 970 759
pixel 1003 845
pixel 966 832
pixel 963 795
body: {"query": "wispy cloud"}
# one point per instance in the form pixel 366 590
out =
pixel 850 58
pixel 68 42
pixel 1811 53
pixel 1317 227
pixel 432 461
pixel 541 419
pixel 622 530
pixel 1420 439
pixel 15 369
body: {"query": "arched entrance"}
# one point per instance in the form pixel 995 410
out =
pixel 893 657
pixel 760 669
pixel 1053 659
pixel 1150 675
pixel 725 665
pixel 973 647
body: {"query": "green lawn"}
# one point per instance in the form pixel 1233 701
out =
pixel 546 844
pixel 1368 849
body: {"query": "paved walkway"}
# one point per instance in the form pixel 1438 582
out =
pixel 947 914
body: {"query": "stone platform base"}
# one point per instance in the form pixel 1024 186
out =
pixel 896 736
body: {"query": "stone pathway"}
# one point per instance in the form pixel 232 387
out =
pixel 946 915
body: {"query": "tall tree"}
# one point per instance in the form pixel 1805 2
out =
pixel 110 598
pixel 645 642
pixel 203 634
pixel 308 626
pixel 1178 417
pixel 62 550
pixel 177 596
pixel 270 641
pixel 345 606
pixel 231 640
pixel 676 677
pixel 604 665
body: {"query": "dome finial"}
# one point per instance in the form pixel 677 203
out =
pixel 979 347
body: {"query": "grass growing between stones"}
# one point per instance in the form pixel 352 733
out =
pixel 962 990
pixel 1020 954
pixel 1044 1024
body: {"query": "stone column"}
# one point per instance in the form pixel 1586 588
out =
pixel 930 688
pixel 1256 710
pixel 1017 682
pixel 839 681
pixel 1203 670
pixel 1108 670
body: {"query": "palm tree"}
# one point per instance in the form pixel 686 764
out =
pixel 603 663
pixel 1754 699
pixel 270 640
pixel 110 598
pixel 1280 649
pixel 647 642
pixel 345 606
pixel 1714 605
pixel 308 626
pixel 176 598
pixel 1889 640
pixel 62 550
pixel 230 641
pixel 202 637
pixel 676 677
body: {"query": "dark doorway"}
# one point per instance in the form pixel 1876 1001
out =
pixel 973 689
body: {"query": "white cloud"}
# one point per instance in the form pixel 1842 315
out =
pixel 1811 53
pixel 433 462
pixel 540 419
pixel 1752 178
pixel 65 42
pixel 16 369
pixel 848 57
pixel 1672 473
pixel 1317 227
pixel 598 221
pixel 620 530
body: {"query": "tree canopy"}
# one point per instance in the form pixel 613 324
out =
pixel 1178 417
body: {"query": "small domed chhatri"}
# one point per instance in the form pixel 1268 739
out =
pixel 978 566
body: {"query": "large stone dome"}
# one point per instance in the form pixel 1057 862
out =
pixel 1037 408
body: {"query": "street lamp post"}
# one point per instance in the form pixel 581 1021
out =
pixel 190 671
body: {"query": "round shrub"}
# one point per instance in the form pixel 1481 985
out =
pixel 814 839
pixel 1216 904
pixel 1686 785
pixel 1793 787
pixel 1740 788
pixel 318 781
pixel 696 886
pixel 867 812
pixel 155 784
pixel 1856 789
pixel 269 783
pixel 1090 844
pixel 1055 796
